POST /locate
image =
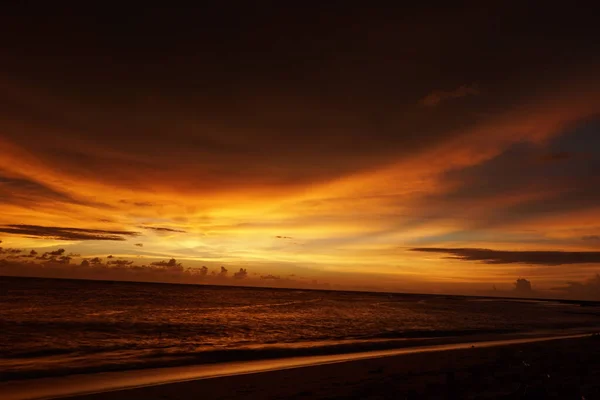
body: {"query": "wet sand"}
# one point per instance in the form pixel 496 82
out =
pixel 562 369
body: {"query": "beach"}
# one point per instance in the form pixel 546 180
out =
pixel 559 368
pixel 57 328
pixel 124 340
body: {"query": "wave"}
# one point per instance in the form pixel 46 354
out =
pixel 60 362
pixel 265 305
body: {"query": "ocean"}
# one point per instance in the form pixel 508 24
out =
pixel 53 327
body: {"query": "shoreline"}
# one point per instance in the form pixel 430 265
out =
pixel 112 382
pixel 275 351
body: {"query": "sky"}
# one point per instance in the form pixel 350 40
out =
pixel 419 149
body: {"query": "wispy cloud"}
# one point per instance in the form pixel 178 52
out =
pixel 436 97
pixel 65 233
pixel 489 256
pixel 594 238
pixel 160 229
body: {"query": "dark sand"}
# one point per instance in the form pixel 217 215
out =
pixel 560 369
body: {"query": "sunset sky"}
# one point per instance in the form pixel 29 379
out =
pixel 448 150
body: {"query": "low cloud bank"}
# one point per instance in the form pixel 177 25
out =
pixel 60 264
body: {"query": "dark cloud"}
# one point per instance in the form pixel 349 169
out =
pixel 57 264
pixel 345 82
pixel 522 257
pixel 300 107
pixel 588 290
pixel 523 287
pixel 241 274
pixel 62 233
pixel 55 256
pixel 162 229
pixel 10 251
pixel 171 265
pixel 138 203
pixel 557 156
pixel 170 271
pixel 58 252
pixel 22 190
pixel 283 237
pixel 139 244
pixel 536 189
pixel 439 96
pixel 61 267
pixel 31 254
pixel 593 238
pixel 120 263
pixel 271 277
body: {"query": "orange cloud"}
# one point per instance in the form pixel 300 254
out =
pixel 332 168
pixel 436 97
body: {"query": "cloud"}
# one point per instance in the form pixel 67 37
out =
pixel 61 267
pixel 62 233
pixel 283 237
pixel 56 264
pixel 22 190
pixel 512 192
pixel 523 287
pixel 557 156
pixel 270 277
pixel 56 256
pixel 10 251
pixel 171 265
pixel 58 252
pixel 162 229
pixel 587 290
pixel 138 203
pixel 594 238
pixel 328 126
pixel 139 244
pixel 435 98
pixel 120 263
pixel 549 258
pixel 31 254
pixel 51 255
pixel 241 274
